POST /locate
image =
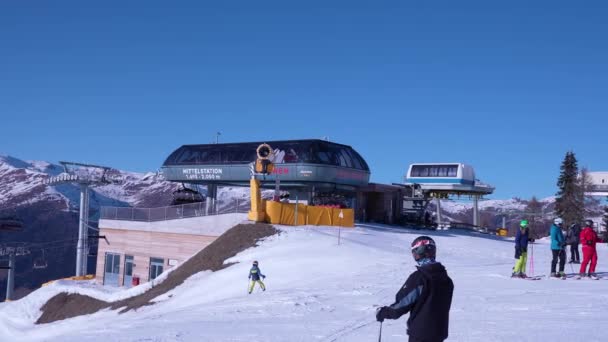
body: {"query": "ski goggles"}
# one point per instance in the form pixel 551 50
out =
pixel 422 243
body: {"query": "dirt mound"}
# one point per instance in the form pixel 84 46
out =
pixel 212 258
pixel 70 305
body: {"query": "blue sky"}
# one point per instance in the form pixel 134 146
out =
pixel 508 87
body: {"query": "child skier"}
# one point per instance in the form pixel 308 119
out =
pixel 427 295
pixel 521 250
pixel 558 244
pixel 588 239
pixel 254 276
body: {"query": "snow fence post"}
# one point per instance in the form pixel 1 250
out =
pixel 341 215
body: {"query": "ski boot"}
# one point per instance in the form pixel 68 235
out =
pixel 553 275
pixel 592 276
pixel 562 275
pixel 580 275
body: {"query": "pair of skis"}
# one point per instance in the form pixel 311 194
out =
pixel 592 277
pixel 539 277
pixel 529 277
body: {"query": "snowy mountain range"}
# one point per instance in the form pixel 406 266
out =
pixel 22 183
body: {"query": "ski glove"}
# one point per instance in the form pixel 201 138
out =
pixel 382 313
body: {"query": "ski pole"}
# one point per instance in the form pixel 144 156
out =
pixel 532 259
pixel 380 334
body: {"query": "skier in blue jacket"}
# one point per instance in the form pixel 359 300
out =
pixel 254 275
pixel 558 243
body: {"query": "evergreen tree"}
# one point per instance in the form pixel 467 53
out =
pixel 570 203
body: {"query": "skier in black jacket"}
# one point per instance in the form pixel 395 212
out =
pixel 426 295
pixel 572 238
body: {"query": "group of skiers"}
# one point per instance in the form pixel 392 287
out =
pixel 427 293
pixel 559 240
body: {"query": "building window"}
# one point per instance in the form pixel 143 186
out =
pixel 453 171
pixel 434 171
pixel 156 267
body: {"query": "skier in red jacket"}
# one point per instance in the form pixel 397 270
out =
pixel 588 240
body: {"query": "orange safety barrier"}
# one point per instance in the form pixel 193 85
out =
pixel 319 216
pixel 84 277
pixel 347 219
pixel 284 213
pixel 273 212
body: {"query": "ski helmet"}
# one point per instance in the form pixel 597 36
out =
pixel 589 223
pixel 558 221
pixel 423 247
pixel 523 224
pixel 255 263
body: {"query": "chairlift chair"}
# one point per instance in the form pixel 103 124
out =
pixel 186 195
pixel 40 263
pixel 11 224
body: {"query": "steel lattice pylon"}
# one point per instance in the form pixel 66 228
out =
pixel 87 176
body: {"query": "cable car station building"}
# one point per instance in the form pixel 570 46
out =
pixel 314 171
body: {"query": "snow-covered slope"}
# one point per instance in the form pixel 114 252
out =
pixel 321 291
